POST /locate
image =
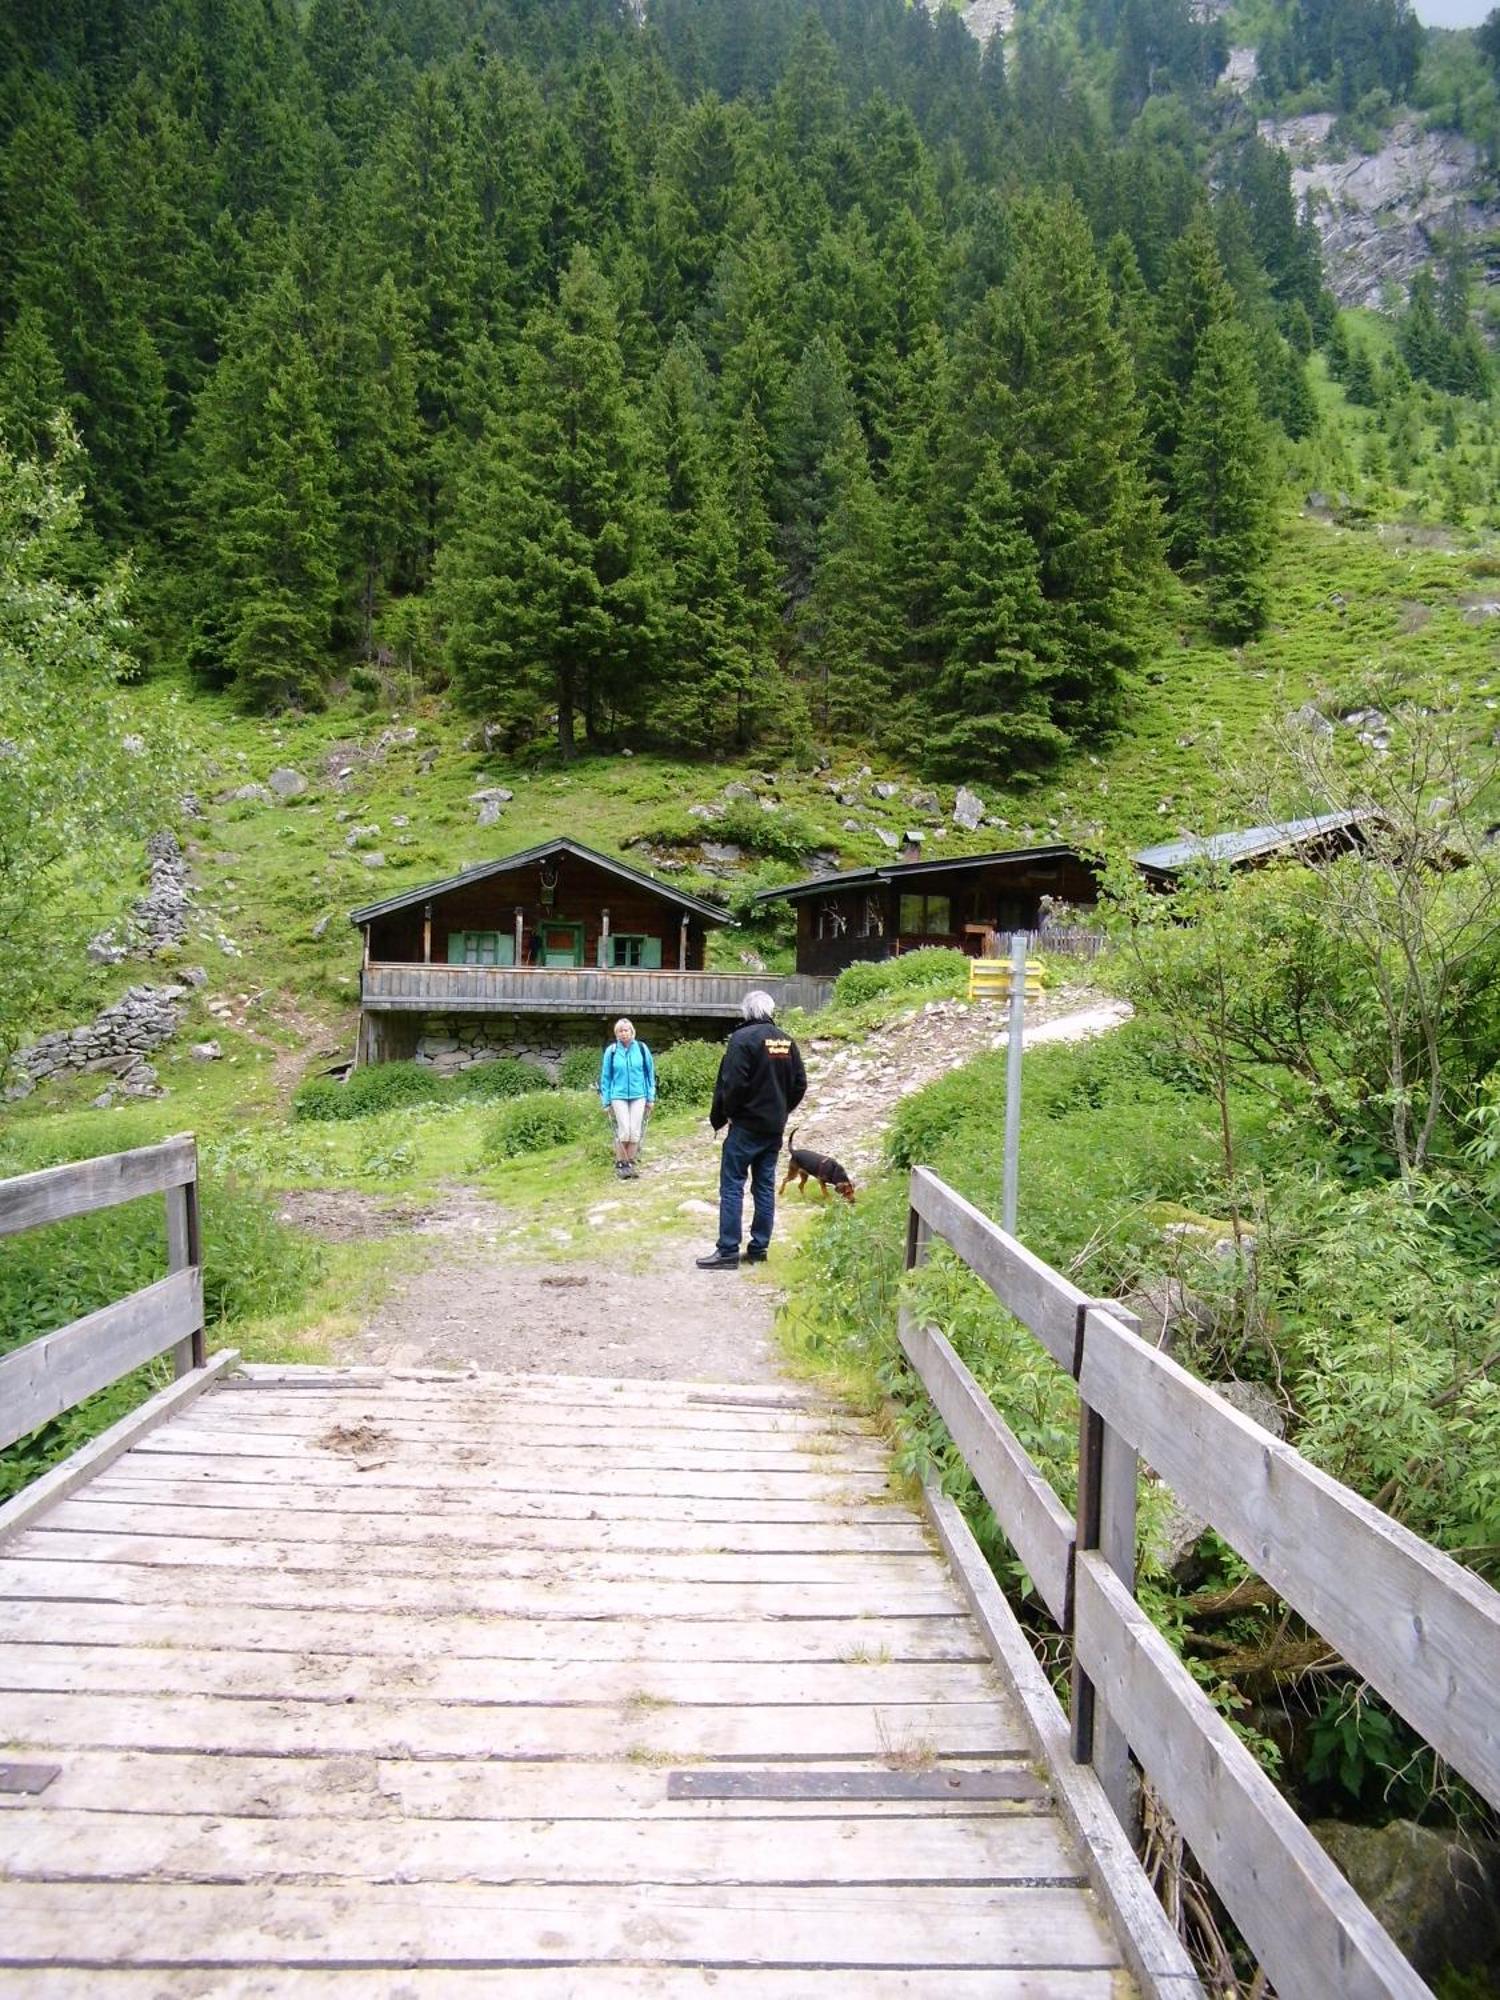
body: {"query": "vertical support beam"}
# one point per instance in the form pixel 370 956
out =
pixel 1107 1475
pixel 682 944
pixel 427 933
pixel 520 935
pixel 364 964
pixel 184 1250
pixel 1014 1045
pixel 603 938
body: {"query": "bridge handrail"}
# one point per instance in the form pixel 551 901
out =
pixel 51 1374
pixel 1417 1625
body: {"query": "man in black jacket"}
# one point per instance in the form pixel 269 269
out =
pixel 761 1082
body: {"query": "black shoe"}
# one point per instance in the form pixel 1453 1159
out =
pixel 755 1256
pixel 716 1262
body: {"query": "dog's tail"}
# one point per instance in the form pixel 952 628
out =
pixel 791 1139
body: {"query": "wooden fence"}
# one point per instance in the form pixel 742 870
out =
pixel 51 1374
pixel 1423 1631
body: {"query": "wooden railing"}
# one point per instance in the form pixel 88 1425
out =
pixel 579 990
pixel 1422 1630
pixel 51 1374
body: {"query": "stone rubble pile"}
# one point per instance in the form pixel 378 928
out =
pixel 117 1041
pixel 159 920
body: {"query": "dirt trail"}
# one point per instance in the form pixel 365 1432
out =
pixel 606 1285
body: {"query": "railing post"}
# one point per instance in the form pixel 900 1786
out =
pixel 184 1250
pixel 1106 1521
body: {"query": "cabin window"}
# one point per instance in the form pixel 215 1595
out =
pixel 627 949
pixel 832 922
pixel 481 948
pixel 872 918
pixel 926 916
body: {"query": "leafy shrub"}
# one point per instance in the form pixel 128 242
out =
pixel 321 1100
pixel 493 1080
pixel 685 1075
pixel 935 966
pixel 579 1069
pixel 785 834
pixel 538 1121
pixel 383 1087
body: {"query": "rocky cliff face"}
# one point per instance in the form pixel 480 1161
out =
pixel 1383 215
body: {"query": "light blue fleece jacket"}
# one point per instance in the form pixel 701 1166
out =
pixel 627 1073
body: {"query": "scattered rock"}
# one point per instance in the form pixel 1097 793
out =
pixel 968 809
pixel 885 790
pixel 287 783
pixel 1437 1893
pixel 374 859
pixel 925 802
pixel 133 746
pixel 739 791
pixel 705 812
pixel 499 793
pixel 722 851
pixel 358 835
pixel 489 812
pixel 254 794
pixel 426 761
pixel 1311 718
pixel 887 839
pixel 205 1051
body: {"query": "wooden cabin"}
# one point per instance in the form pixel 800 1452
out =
pixel 1324 837
pixel 967 903
pixel 536 953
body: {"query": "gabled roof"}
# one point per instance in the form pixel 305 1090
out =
pixel 1247 844
pixel 710 912
pixel 902 871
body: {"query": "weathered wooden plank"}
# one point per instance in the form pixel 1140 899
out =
pixel 542 1424
pixel 1152 1949
pixel 1423 1630
pixel 878 1636
pixel 457 1924
pixel 72 1846
pixel 386 1727
pixel 122 1510
pixel 594 1982
pixel 82 1465
pixel 336 1494
pixel 285 1788
pixel 57 1193
pixel 1024 1285
pixel 323 1676
pixel 1299 1915
pixel 885 1577
pixel 666 1391
pixel 546 1455
pixel 472 1408
pixel 47 1376
pixel 184 1250
pixel 175 1459
pixel 1035 1521
pixel 929 1597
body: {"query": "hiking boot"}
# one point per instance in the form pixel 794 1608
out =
pixel 755 1256
pixel 716 1261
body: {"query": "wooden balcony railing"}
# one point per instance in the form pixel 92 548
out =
pixel 504 989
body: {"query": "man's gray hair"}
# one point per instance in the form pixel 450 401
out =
pixel 758 1006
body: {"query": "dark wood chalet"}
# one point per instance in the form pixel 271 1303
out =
pixel 969 902
pixel 537 951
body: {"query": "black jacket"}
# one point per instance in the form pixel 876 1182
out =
pixel 761 1080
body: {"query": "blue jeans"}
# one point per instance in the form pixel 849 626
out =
pixel 754 1153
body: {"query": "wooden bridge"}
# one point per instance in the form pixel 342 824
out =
pixel 340 1682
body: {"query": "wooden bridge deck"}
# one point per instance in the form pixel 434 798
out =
pixel 515 1686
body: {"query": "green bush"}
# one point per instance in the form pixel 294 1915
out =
pixel 320 1100
pixel 685 1075
pixel 383 1087
pixel 538 1121
pixel 494 1080
pixel 935 966
pixel 787 835
pixel 579 1069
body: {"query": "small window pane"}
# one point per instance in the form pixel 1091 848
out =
pixel 911 916
pixel 938 924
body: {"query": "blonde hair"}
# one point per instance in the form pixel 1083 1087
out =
pixel 623 1023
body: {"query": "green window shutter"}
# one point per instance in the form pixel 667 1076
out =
pixel 455 947
pixel 651 954
pixel 505 950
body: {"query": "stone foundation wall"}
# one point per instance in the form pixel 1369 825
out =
pixel 449 1042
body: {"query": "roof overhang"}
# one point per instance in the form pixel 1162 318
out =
pixel 910 871
pixel 431 891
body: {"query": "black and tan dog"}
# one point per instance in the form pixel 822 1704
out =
pixel 809 1166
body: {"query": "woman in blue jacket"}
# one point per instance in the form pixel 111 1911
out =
pixel 627 1090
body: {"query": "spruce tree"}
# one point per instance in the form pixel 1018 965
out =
pixel 544 586
pixel 378 444
pixel 261 533
pixel 848 626
pixel 988 710
pixel 699 692
pixel 32 391
pixel 1223 523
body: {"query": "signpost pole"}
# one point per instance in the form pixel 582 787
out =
pixel 1013 1080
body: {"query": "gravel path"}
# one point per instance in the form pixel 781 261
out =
pixel 606 1285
